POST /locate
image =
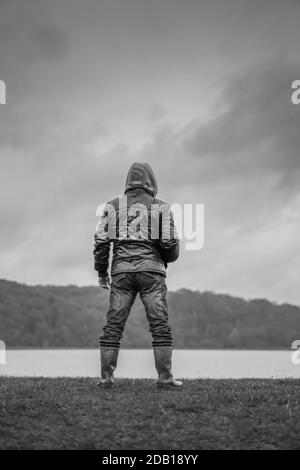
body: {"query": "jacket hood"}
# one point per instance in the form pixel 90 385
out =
pixel 140 175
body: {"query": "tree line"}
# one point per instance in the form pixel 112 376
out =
pixel 73 317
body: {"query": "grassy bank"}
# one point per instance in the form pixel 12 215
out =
pixel 64 413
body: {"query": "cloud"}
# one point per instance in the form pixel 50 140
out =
pixel 200 92
pixel 30 31
pixel 258 133
pixel 242 163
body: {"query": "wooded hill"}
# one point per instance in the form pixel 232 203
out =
pixel 71 317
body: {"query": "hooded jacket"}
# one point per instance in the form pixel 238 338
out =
pixel 140 227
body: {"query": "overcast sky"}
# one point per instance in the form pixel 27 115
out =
pixel 199 89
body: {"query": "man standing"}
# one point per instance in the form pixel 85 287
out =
pixel 141 229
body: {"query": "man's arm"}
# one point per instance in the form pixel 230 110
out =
pixel 102 249
pixel 168 235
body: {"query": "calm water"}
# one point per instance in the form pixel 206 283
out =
pixel 140 364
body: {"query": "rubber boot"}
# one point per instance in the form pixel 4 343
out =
pixel 109 358
pixel 163 364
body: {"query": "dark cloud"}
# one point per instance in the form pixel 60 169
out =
pixel 50 41
pixel 242 164
pixel 258 133
pixel 201 90
pixel 29 31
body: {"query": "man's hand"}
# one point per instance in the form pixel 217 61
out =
pixel 104 282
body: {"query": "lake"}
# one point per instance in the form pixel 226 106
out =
pixel 139 363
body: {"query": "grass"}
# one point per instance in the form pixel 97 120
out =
pixel 64 413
